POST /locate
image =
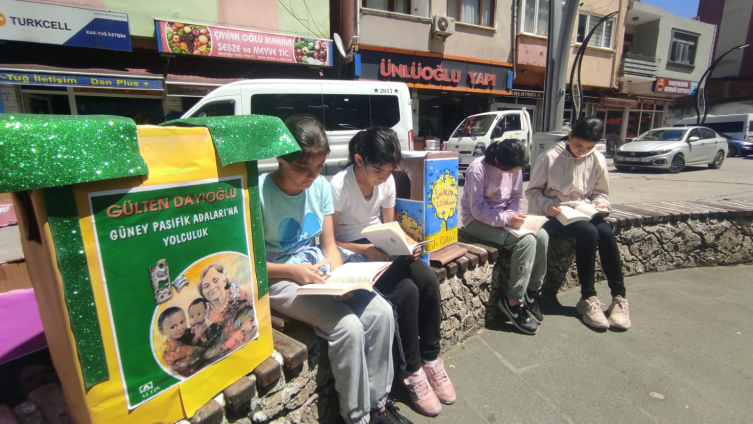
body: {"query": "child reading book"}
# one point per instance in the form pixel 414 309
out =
pixel 364 195
pixel 359 326
pixel 492 211
pixel 573 171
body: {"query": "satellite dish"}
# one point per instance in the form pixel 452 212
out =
pixel 339 44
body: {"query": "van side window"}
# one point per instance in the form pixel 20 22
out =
pixel 222 108
pixel 512 123
pixel 385 111
pixel 284 106
pixel 346 112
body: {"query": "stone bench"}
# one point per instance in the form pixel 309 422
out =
pixel 296 383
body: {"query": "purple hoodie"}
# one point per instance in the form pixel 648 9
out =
pixel 490 195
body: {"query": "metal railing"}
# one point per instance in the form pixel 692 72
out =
pixel 639 65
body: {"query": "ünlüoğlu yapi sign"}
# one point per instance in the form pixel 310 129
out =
pixel 431 71
pixel 427 73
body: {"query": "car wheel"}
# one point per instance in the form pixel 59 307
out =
pixel 621 168
pixel 732 152
pixel 677 164
pixel 718 160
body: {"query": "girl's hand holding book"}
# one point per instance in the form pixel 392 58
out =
pixel 517 220
pixel 304 274
pixel 553 210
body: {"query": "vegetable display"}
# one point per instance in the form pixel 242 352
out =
pixel 310 51
pixel 188 38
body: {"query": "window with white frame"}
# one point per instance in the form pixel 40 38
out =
pixel 474 12
pixel 604 35
pixel 535 17
pixel 683 48
pixel 398 6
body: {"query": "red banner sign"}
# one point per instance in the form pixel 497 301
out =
pixel 203 40
pixel 672 86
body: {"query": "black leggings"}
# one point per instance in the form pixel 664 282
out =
pixel 413 289
pixel 588 236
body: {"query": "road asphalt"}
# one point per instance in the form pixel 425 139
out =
pixel 687 359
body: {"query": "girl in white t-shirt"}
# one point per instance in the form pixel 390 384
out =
pixel 364 195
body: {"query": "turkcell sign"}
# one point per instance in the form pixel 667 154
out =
pixel 67 26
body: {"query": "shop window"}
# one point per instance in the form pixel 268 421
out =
pixel 48 104
pixel 284 106
pixel 683 48
pixel 658 119
pixel 385 111
pixel 223 108
pixel 143 111
pixel 603 35
pixel 346 112
pixel 474 12
pixel 634 118
pixel 613 124
pixel 397 6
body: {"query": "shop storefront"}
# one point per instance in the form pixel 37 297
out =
pixel 137 95
pixel 445 89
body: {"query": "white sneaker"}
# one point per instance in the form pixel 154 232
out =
pixel 593 315
pixel 619 315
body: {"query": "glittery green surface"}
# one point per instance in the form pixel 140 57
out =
pixel 39 151
pixel 257 229
pixel 69 248
pixel 246 138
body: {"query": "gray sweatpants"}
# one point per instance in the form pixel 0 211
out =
pixel 528 262
pixel 359 332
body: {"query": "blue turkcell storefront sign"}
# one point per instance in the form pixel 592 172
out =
pixel 63 80
pixel 62 25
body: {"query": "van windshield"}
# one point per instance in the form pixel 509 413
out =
pixel 474 126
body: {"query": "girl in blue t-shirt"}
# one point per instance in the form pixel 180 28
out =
pixel 297 208
pixel 364 194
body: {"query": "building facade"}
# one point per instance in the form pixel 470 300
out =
pixel 664 57
pixel 150 61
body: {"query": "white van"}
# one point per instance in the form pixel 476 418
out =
pixel 476 132
pixel 344 107
pixel 739 126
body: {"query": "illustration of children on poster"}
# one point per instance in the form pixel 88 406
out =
pixel 179 279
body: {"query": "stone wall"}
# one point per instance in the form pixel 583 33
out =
pixel 296 384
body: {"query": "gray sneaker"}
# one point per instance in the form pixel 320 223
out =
pixel 619 315
pixel 593 315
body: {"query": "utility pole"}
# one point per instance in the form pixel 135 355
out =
pixel 561 24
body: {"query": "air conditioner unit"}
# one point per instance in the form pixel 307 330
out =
pixel 442 26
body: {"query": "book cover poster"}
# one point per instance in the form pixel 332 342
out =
pixel 410 216
pixel 178 279
pixel 441 202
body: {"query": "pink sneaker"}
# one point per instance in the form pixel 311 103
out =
pixel 440 382
pixel 421 393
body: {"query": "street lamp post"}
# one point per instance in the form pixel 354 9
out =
pixel 701 90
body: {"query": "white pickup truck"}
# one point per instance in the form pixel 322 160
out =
pixel 476 132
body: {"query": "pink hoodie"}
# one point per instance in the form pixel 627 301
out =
pixel 490 195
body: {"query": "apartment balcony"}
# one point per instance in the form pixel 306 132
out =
pixel 636 67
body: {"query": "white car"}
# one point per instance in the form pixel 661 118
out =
pixel 672 149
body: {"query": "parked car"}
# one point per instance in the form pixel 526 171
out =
pixel 672 149
pixel 738 147
pixel 476 132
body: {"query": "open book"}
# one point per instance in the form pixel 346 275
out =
pixel 348 277
pixel 390 239
pixel 580 212
pixel 531 225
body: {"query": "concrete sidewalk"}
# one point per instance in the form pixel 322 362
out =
pixel 687 359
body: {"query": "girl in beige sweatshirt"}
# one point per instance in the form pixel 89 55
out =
pixel 568 174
